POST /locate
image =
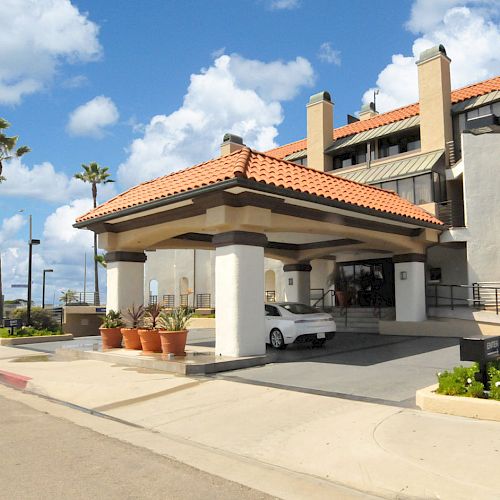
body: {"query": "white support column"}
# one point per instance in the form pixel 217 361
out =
pixel 239 294
pixel 409 285
pixel 298 282
pixel 125 279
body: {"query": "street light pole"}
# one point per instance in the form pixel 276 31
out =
pixel 45 271
pixel 30 266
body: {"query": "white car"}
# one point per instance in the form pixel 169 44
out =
pixel 289 322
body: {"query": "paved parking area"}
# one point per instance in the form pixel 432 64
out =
pixel 366 367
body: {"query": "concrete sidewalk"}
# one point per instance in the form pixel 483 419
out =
pixel 271 439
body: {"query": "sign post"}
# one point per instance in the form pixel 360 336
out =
pixel 482 350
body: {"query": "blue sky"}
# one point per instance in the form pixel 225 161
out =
pixel 82 81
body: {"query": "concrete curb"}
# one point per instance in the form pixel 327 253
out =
pixel 35 340
pixel 482 409
pixel 14 379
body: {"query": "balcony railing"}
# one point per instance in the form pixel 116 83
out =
pixel 451 212
pixel 203 301
pixel 270 296
pixel 81 299
pixel 168 301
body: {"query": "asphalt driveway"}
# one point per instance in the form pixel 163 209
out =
pixel 366 367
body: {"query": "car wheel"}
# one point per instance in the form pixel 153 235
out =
pixel 318 342
pixel 277 340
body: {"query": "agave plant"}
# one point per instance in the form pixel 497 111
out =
pixel 176 320
pixel 151 315
pixel 112 320
pixel 135 315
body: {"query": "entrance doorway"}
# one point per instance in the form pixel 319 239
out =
pixel 368 283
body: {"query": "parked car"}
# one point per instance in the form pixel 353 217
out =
pixel 291 322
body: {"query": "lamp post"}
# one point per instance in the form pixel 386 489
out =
pixel 45 271
pixel 30 266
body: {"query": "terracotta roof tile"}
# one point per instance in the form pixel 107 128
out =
pixel 266 169
pixel 395 115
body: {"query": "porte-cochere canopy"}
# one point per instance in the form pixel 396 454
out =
pixel 247 205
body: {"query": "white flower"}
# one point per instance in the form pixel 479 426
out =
pixel 439 374
pixel 497 384
pixel 469 381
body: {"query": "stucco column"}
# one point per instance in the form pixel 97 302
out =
pixel 298 282
pixel 125 279
pixel 239 293
pixel 409 285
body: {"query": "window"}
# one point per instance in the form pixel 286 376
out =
pixel 396 144
pixel 390 186
pixel 299 308
pixel 479 112
pixel 301 161
pixel 405 189
pixel 272 311
pixel 423 189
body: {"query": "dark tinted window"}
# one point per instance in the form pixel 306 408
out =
pixel 299 308
pixel 272 311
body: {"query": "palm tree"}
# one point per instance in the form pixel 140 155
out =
pixel 94 175
pixel 68 296
pixel 8 145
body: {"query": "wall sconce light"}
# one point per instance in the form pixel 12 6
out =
pixel 290 281
pixel 403 275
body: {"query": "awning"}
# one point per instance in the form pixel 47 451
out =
pixel 399 169
pixel 374 133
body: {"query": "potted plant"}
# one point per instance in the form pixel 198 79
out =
pixel 131 337
pixel 150 338
pixel 173 333
pixel 111 330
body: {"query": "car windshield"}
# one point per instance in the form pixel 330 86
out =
pixel 299 308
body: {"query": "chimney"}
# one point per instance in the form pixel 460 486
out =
pixel 319 131
pixel 368 111
pixel 434 89
pixel 230 144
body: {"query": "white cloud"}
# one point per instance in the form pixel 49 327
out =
pixel 90 119
pixel 328 54
pixel 37 36
pixel 44 182
pixel 235 95
pixel 62 248
pixel 75 82
pixel 470 31
pixel 283 4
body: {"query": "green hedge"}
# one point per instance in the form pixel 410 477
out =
pixel 27 332
pixel 41 319
pixel 461 381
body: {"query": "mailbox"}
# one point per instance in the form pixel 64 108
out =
pixel 480 349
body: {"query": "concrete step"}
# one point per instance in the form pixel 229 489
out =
pixel 355 329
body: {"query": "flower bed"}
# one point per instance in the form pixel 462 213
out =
pixel 462 381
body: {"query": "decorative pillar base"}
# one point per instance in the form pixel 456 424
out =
pixel 298 282
pixel 239 292
pixel 409 285
pixel 125 279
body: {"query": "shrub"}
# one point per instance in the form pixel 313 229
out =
pixel 28 331
pixel 41 319
pixel 460 382
pixel 112 320
pixel 494 377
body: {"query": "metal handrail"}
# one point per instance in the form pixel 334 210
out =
pixel 83 299
pixel 476 288
pixel 168 301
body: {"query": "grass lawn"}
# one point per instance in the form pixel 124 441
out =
pixel 28 332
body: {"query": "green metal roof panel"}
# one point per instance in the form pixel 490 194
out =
pixel 398 169
pixel 475 102
pixel 390 128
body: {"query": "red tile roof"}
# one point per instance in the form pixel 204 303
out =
pixel 395 115
pixel 268 170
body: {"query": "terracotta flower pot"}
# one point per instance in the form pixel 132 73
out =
pixel 131 339
pixel 150 341
pixel 111 338
pixel 342 298
pixel 173 342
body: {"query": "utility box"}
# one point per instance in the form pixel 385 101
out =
pixel 480 349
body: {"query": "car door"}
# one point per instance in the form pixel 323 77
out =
pixel 272 318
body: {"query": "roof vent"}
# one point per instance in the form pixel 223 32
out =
pixel 320 96
pixel 230 144
pixel 367 111
pixel 431 53
pixel 236 139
